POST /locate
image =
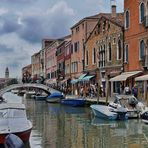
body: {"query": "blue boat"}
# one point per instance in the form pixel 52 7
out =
pixel 73 102
pixel 55 97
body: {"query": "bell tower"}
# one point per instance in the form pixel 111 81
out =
pixel 7 73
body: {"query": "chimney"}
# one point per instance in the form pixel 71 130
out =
pixel 113 7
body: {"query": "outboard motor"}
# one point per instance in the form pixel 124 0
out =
pixel 13 141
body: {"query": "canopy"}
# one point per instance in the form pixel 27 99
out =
pixel 124 76
pixel 74 81
pixel 87 78
pixel 142 78
pixel 81 77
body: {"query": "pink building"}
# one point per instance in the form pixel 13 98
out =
pixel 51 61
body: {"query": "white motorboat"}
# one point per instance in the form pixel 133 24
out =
pixel 133 106
pixel 144 115
pixel 13 120
pixel 108 112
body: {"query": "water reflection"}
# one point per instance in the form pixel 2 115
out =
pixel 58 126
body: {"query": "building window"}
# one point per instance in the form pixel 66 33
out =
pixel 141 12
pixel 87 57
pixel 74 67
pixel 71 48
pixel 119 50
pixel 76 46
pixel 109 52
pixel 127 18
pixel 94 56
pixel 126 53
pixel 141 52
pixel 114 41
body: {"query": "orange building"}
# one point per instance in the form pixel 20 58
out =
pixel 80 32
pixel 136 35
pixel 136 40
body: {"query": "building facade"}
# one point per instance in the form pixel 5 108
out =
pixel 79 33
pixel 51 61
pixel 35 62
pixel 136 35
pixel 104 49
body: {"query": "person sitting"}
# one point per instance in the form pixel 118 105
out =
pixel 127 90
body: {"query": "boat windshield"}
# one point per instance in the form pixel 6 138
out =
pixel 12 113
pixel 3 114
pixel 17 113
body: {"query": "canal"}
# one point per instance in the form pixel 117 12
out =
pixel 59 126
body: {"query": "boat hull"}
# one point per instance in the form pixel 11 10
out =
pixel 73 102
pixel 55 97
pixel 24 136
pixel 102 115
pixel 53 100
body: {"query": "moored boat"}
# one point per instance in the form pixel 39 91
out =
pixel 133 106
pixel 55 97
pixel 107 112
pixel 13 120
pixel 73 101
pixel 144 116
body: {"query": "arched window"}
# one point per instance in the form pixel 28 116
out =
pixel 94 56
pixel 109 52
pixel 87 57
pixel 141 12
pixel 126 53
pixel 147 9
pixel 141 52
pixel 119 50
pixel 127 19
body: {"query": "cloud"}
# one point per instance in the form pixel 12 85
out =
pixel 17 1
pixel 15 53
pixel 3 11
pixel 33 27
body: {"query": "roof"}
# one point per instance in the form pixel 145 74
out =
pixel 97 16
pixel 124 76
pixel 12 106
pixel 142 78
pixel 118 20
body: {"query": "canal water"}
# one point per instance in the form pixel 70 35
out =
pixel 59 126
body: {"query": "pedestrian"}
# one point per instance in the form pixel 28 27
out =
pixel 127 90
pixel 81 91
pixel 135 91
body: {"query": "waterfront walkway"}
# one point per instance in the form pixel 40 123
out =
pixel 93 100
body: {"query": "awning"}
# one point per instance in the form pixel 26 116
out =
pixel 87 78
pixel 124 76
pixel 142 78
pixel 81 77
pixel 74 81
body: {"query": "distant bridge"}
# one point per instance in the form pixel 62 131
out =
pixel 45 88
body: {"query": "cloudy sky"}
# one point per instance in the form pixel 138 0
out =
pixel 24 23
